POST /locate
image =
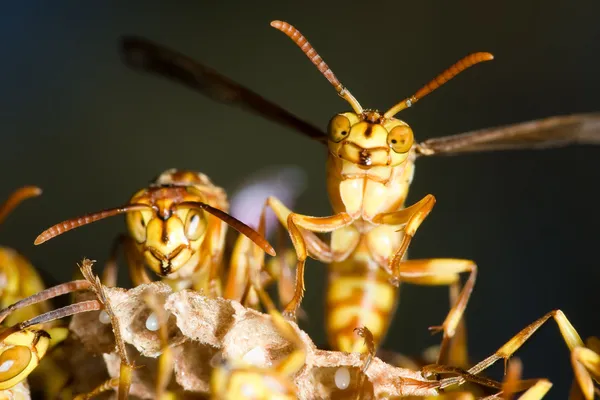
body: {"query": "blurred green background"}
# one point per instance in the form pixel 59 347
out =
pixel 90 132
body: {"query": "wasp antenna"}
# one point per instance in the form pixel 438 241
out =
pixel 234 223
pixel 73 223
pixel 45 295
pixel 77 308
pixel 16 198
pixel 316 59
pixel 439 80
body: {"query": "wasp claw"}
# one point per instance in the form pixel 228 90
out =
pixel 436 329
pixel 290 315
pixel 394 281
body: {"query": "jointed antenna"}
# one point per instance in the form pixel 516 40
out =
pixel 439 80
pixel 316 59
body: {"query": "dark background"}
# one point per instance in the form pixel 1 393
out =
pixel 76 122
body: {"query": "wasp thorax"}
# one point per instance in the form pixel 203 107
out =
pixel 369 140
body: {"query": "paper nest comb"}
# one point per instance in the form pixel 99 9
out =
pixel 201 329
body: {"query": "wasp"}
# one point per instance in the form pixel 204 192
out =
pixel 24 344
pixel 176 228
pixel 370 165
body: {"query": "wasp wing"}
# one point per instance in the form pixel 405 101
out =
pixel 143 55
pixel 549 132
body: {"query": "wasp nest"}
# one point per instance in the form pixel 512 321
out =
pixel 203 330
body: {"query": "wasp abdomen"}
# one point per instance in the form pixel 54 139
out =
pixel 359 294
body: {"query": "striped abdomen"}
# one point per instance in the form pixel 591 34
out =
pixel 358 294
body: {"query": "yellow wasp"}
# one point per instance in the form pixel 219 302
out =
pixel 176 227
pixel 370 166
pixel 24 344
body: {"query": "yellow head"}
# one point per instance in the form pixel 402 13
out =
pixel 369 138
pixel 168 233
pixel 169 221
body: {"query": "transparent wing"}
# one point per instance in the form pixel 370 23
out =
pixel 538 134
pixel 143 55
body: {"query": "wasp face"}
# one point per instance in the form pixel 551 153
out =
pixel 168 236
pixel 368 140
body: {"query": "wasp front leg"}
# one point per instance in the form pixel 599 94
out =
pixel 295 224
pixel 411 217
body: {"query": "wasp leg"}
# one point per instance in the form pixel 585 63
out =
pixel 296 359
pixel 317 248
pixel 241 261
pixel 215 257
pixel 247 260
pixel 457 352
pixel 567 330
pixel 442 271
pixel 411 217
pixel 535 389
pixel 110 384
pixel 429 371
pixel 586 365
pixel 295 222
pixel 282 267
